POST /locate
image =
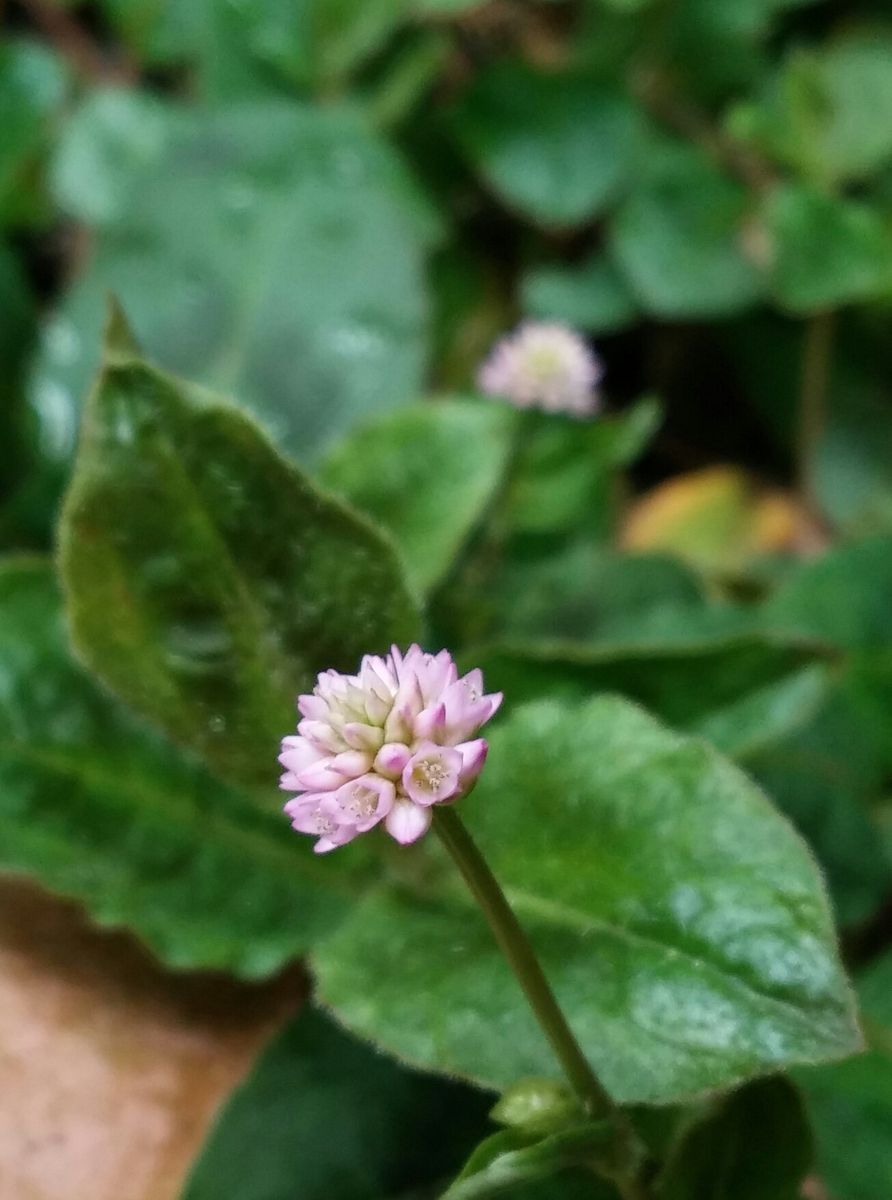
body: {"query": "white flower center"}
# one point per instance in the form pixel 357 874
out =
pixel 363 802
pixel 324 824
pixel 544 362
pixel 429 774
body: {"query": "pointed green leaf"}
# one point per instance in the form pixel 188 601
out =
pixel 681 920
pixel 97 807
pixel 510 1159
pixel 208 581
pixel 323 1117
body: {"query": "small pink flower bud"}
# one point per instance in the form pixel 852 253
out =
pixel 473 756
pixel 406 822
pixel 391 759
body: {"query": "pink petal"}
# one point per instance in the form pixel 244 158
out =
pixel 430 721
pixel 406 822
pixel 473 756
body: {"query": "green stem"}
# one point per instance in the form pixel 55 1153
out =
pixel 814 386
pixel 516 948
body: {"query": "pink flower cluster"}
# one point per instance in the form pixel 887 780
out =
pixel 384 745
pixel 546 365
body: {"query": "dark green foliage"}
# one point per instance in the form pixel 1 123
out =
pixel 328 210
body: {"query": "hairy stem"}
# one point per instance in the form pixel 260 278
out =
pixel 515 946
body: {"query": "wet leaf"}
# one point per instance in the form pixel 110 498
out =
pixel 232 236
pixel 682 922
pixel 230 580
pixel 98 808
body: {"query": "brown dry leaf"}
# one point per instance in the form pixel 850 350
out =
pixel 111 1069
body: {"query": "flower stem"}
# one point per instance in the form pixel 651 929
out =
pixel 813 399
pixel 515 946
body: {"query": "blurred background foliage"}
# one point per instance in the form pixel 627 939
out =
pixel 328 209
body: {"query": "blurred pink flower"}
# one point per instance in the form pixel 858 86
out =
pixel 384 745
pixel 544 365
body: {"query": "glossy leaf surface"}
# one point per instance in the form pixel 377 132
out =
pixel 269 250
pixel 100 809
pixel 680 919
pixel 230 580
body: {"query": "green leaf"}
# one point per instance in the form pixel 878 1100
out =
pixel 110 142
pixel 407 78
pixel 32 89
pixel 678 238
pixel 233 237
pixel 765 715
pixel 253 49
pixel 715 52
pixel 829 778
pixel 323 1117
pixel 565 471
pixel 827 251
pixel 426 474
pixel 445 8
pixel 593 296
pixel 313 43
pixel 575 592
pixel 756 1145
pixel 841 597
pixel 852 463
pixel 826 776
pixel 505 1160
pixel 98 808
pixel 681 921
pixel 828 111
pixel 680 667
pixel 850 1104
pixel 229 579
pixel 556 147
